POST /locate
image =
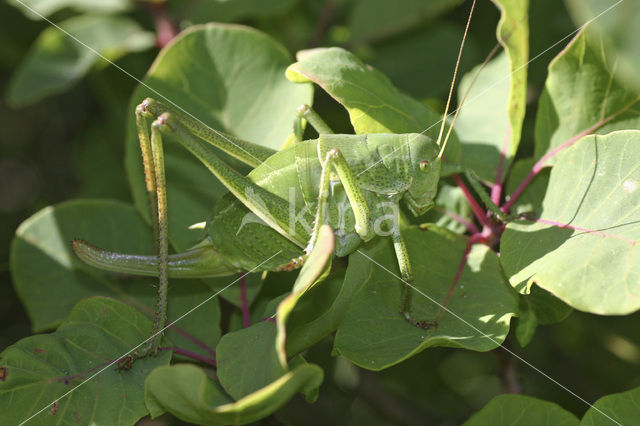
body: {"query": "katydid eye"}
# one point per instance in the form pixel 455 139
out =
pixel 425 166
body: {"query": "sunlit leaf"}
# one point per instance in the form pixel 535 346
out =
pixel 375 335
pixel 582 249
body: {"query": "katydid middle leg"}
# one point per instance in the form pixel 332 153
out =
pixel 335 161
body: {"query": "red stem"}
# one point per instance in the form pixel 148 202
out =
pixel 189 354
pixel 477 210
pixel 585 230
pixel 474 239
pixel 193 339
pixel 244 306
pixel 540 164
pixel 471 227
pixel 165 30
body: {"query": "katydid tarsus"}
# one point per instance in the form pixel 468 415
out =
pixel 352 182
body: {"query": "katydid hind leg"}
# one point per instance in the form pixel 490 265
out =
pixel 162 244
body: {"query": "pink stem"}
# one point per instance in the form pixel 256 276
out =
pixel 477 210
pixel 474 239
pixel 193 339
pixel 471 227
pixel 190 354
pixel 244 306
pixel 585 230
pixel 540 164
pixel 165 30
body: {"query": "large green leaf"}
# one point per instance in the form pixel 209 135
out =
pixel 582 95
pixel 490 122
pixel 373 103
pixel 42 265
pixel 375 19
pixel 39 370
pixel 56 61
pixel 374 334
pixel 186 392
pixel 35 9
pixel 231 78
pixel 582 249
pixel 619 25
pixel 521 410
pixel 620 407
pixel 248 359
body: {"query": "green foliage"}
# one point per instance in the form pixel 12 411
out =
pixel 334 331
pixel 374 336
pixel 589 220
pixel 57 61
pixel 41 369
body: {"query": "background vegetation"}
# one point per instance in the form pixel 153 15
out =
pixel 66 140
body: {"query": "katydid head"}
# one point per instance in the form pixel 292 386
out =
pixel 425 172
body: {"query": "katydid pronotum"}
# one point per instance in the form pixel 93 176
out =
pixel 349 180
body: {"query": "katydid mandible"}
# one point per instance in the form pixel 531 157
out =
pixel 369 174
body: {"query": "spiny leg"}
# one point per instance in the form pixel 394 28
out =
pixel 247 152
pixel 335 160
pixel 153 162
pixel 406 290
pixel 269 207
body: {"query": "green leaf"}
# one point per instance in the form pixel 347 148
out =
pixel 371 20
pixel 49 7
pixel 315 269
pixel 538 307
pixel 589 221
pixel 56 61
pixel 375 335
pixel 231 78
pixel 43 265
pixel 582 95
pixel 490 121
pixel 373 103
pixel 186 392
pixel 251 358
pixel 619 26
pixel 248 359
pixel 521 410
pixel 39 370
pixel 619 407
